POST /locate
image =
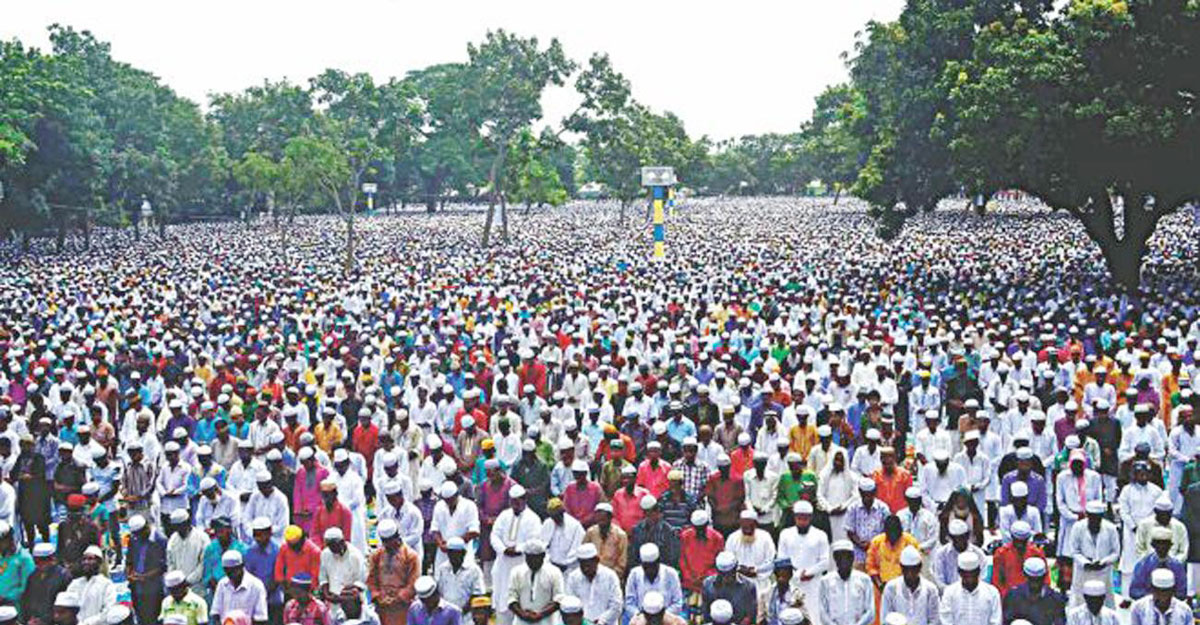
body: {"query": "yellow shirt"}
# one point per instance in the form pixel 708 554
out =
pixel 327 438
pixel 802 438
pixel 883 558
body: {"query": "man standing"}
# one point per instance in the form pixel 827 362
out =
pixel 238 590
pixel 1093 611
pixel 1136 503
pixel 185 548
pixel 970 601
pixel 1094 547
pixel 534 587
pixel 597 587
pixel 910 594
pixel 429 609
pixel 392 573
pixel 145 564
pixel 47 580
pixel 515 526
pixel 846 596
pixel 1161 607
pixel 1035 601
pixel 808 549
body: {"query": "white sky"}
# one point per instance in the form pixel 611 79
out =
pixel 726 69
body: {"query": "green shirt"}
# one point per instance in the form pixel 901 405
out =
pixel 193 607
pixel 15 570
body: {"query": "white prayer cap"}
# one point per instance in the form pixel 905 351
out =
pixel 802 506
pixel 340 455
pixel 1094 506
pixel 958 527
pixel 174 578
pixel 207 483
pixel 392 487
pixel 66 600
pixel 260 523
pixel 447 490
pixel 274 455
pixel 516 492
pixel 699 517
pixel 968 561
pixel 1019 489
pixel 721 611
pixel 136 522
pixel 1163 504
pixel 841 545
pixel 604 506
pixel 1161 533
pixel 1034 567
pixel 390 459
pixel 1021 530
pixel 653 602
pixel 1094 588
pixel 748 515
pixel 941 454
pixel 586 551
pixel 1162 579
pixel 231 558
pixel 174 619
pixel 433 441
pixel 93 551
pixel 425 586
pixel 305 453
pixel 333 534
pixel 179 516
pixel 263 477
pixel 895 618
pixel 570 604
pixel 533 547
pixel 648 502
pixel 791 616
pixel 115 615
pixel 579 466
pixel 867 485
pixel 910 556
pixel 387 528
pixel 726 561
pixel 648 553
pixel 824 430
pixel 456 543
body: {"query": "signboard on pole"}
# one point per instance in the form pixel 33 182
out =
pixel 658 176
pixel 370 188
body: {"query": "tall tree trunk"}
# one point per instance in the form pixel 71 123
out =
pixel 60 236
pixel 837 193
pixel 624 204
pixel 1124 255
pixel 504 217
pixel 87 230
pixel 491 214
pixel 161 217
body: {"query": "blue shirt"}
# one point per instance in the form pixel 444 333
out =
pixel 444 614
pixel 260 562
pixel 1140 587
pixel 148 554
pixel 680 429
pixel 213 571
pixel 1036 484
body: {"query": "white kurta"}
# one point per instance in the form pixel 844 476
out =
pixel 96 594
pixel 846 601
pixel 837 490
pixel 920 606
pixel 1102 547
pixel 350 487
pixel 464 519
pixel 1137 503
pixel 810 555
pixel 757 552
pixel 962 607
pixel 510 531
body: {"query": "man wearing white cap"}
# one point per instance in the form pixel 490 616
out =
pixel 429 607
pixel 351 492
pixel 266 501
pixel 1091 610
pixel 970 600
pixel 238 590
pixel 944 566
pixel 910 594
pixel 65 609
pixel 343 575
pixel 1018 509
pixel 534 587
pixel 392 572
pixel 939 478
pixel 596 586
pixel 213 502
pixel 182 602
pixel 846 596
pixel 652 576
pixel 395 505
pixel 185 547
pixel 1094 546
pixel 654 610
pixel 755 552
pixel 1163 517
pixel 921 522
pixel 515 526
pixel 1034 600
pixel 978 468
pixel 453 516
pixel 808 549
pixel 721 612
pixel 1136 502
pixel 1161 607
pixel 171 485
pixel 95 591
pixel 47 579
pixel 459 578
pixel 1073 488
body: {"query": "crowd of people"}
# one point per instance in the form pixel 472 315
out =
pixel 788 421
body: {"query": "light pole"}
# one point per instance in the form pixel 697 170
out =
pixel 660 180
pixel 370 188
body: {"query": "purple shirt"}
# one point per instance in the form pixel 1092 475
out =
pixel 1036 484
pixel 444 614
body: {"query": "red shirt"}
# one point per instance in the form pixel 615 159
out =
pixel 740 461
pixel 890 489
pixel 1008 566
pixel 290 562
pixel 627 507
pixel 324 519
pixel 652 479
pixel 698 558
pixel 366 441
pixel 728 497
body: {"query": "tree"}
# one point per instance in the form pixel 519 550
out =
pixel 445 146
pixel 532 176
pixel 507 75
pixel 830 140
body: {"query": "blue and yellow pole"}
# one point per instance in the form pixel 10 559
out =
pixel 660 228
